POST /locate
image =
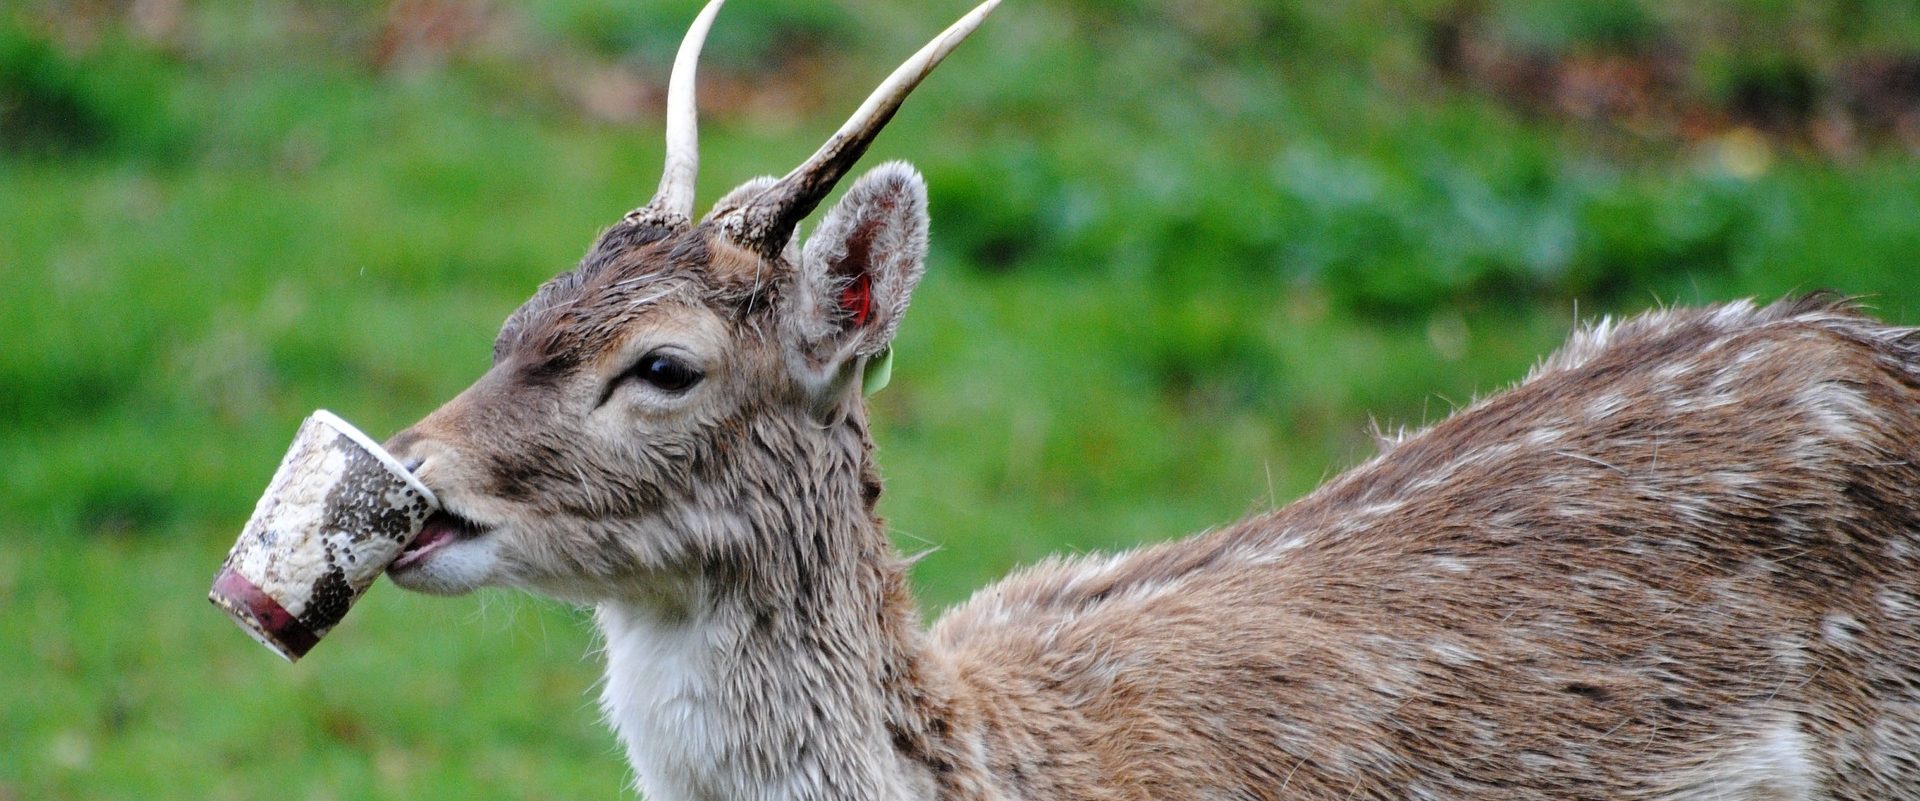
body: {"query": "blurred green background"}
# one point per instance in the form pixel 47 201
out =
pixel 1184 252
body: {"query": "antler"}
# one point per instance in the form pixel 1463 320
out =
pixel 765 223
pixel 672 205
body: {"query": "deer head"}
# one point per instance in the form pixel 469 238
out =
pixel 688 395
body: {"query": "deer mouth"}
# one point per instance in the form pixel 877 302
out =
pixel 442 528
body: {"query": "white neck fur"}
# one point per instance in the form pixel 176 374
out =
pixel 715 701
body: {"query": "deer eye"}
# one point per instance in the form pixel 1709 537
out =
pixel 665 372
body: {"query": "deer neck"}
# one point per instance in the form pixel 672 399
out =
pixel 796 673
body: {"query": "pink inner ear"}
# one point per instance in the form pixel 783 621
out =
pixel 857 298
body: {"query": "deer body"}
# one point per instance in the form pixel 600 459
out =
pixel 1679 561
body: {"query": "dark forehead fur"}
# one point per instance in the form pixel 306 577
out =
pixel 630 269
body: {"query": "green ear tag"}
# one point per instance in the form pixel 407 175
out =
pixel 879 371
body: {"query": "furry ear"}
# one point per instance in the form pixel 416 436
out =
pixel 860 266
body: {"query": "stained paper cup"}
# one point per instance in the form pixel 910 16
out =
pixel 337 512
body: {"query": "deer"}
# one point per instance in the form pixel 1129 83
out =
pixel 1680 559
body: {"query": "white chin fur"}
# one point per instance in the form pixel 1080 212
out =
pixel 452 569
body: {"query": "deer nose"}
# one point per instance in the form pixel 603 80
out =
pixel 403 445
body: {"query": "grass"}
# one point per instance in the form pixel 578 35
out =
pixel 1175 275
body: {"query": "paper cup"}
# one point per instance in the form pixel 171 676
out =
pixel 337 512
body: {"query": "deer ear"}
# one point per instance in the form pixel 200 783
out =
pixel 860 266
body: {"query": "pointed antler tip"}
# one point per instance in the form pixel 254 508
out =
pixel 778 209
pixel 674 200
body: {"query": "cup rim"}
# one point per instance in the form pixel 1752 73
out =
pixel 367 444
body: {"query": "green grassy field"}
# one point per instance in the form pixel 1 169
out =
pixel 1184 253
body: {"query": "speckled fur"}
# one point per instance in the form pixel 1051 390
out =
pixel 1681 560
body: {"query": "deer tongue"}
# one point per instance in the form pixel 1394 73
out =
pixel 440 528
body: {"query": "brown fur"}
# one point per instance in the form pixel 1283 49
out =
pixel 1681 560
pixel 1552 594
